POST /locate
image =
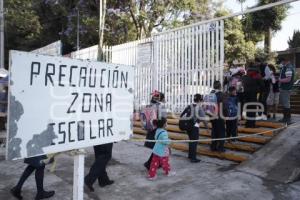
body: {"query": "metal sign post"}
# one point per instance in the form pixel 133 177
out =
pixel 78 178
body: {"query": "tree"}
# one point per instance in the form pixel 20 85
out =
pixel 242 2
pixel 22 25
pixel 50 20
pixel 149 15
pixel 294 42
pixel 236 47
pixel 266 22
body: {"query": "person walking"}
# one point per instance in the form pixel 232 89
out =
pixel 34 164
pixel 103 154
pixel 196 113
pixel 156 110
pixel 286 80
pixel 161 150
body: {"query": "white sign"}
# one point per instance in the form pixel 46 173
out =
pixel 58 104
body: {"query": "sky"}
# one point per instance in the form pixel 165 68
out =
pixel 291 23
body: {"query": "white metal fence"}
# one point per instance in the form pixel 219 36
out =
pixel 91 53
pixel 139 54
pixel 53 49
pixel 188 61
pixel 178 63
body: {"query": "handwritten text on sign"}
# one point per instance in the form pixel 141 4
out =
pixel 58 104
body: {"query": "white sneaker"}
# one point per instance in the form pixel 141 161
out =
pixel 172 173
pixel 152 178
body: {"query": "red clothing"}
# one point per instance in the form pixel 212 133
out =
pixel 159 161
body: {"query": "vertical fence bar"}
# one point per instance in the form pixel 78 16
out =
pixel 222 50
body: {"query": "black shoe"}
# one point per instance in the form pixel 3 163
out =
pixel 88 185
pixel 222 150
pixel 195 160
pixel 44 195
pixel 106 183
pixel 16 193
pixel 213 149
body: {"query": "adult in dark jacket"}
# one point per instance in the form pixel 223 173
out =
pixel 34 164
pixel 103 154
pixel 196 112
pixel 253 84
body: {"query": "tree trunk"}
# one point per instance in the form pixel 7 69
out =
pixel 267 42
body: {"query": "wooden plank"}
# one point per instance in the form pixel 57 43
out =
pixel 207 152
pixel 256 140
pixel 2 114
pixel 175 128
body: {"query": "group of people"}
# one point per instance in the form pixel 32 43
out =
pixel 259 83
pixel 262 84
pixel 256 90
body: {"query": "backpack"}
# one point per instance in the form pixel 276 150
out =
pixel 210 105
pixel 231 106
pixel 187 122
pixel 148 115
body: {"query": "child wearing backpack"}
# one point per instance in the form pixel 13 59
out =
pixel 160 151
pixel 216 97
pixel 149 117
pixel 231 106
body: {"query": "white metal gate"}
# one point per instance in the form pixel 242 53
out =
pixel 178 62
pixel 188 61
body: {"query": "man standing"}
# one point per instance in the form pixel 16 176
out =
pixel 103 154
pixel 286 80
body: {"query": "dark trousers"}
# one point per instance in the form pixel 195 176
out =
pixel 39 177
pixel 150 136
pixel 193 135
pixel 103 154
pixel 264 96
pixel 240 97
pixel 231 128
pixel 218 131
pixel 250 98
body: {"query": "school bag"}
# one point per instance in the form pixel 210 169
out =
pixel 148 116
pixel 231 106
pixel 210 105
pixel 187 122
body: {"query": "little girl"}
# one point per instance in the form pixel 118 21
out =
pixel 160 150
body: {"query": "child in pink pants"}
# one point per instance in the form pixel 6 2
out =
pixel 160 150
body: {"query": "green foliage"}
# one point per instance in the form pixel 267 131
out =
pixel 236 47
pixel 22 25
pixel 264 23
pixel 294 42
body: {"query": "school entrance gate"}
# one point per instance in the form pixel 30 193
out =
pixel 179 62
